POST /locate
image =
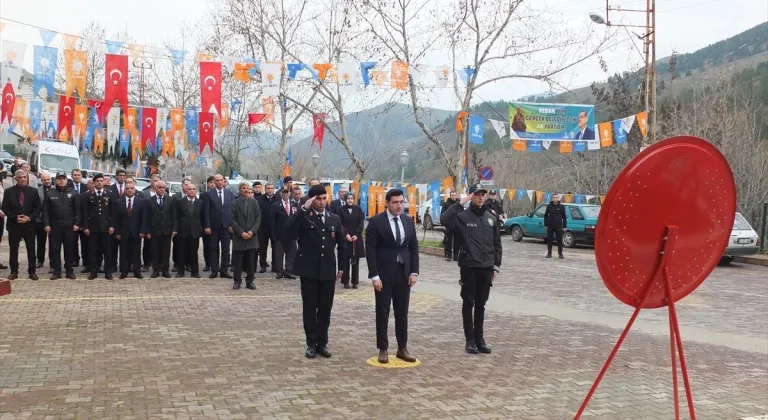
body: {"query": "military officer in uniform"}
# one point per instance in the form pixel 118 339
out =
pixel 61 221
pixel 98 227
pixel 318 233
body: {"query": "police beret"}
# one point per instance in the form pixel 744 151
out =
pixel 316 190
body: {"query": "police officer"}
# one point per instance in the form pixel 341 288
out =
pixel 479 260
pixel 318 232
pixel 97 225
pixel 61 218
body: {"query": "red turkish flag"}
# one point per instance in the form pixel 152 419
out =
pixel 8 103
pixel 254 119
pixel 210 86
pixel 99 105
pixel 148 132
pixel 318 122
pixel 206 131
pixel 116 82
pixel 66 115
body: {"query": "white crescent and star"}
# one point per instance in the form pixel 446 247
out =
pixel 120 74
pixel 205 81
pixel 149 121
pixel 67 107
pixel 9 97
pixel 206 124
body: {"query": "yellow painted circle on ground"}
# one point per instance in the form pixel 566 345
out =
pixel 394 363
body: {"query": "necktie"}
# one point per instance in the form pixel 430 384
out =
pixel 77 187
pixel 99 194
pixel 221 197
pixel 160 201
pixel 321 218
pixel 121 191
pixel 398 238
pixel 21 197
pixel 191 206
pixel 130 205
pixel 286 208
pixel 246 207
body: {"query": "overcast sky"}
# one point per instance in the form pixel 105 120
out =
pixel 683 25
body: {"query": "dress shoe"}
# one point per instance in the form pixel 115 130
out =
pixel 289 276
pixel 347 286
pixel 249 285
pixel 236 286
pixel 310 353
pixel 166 275
pixel 447 258
pixel 263 270
pixel 354 286
pixel 195 275
pixel 323 351
pixel 75 264
pixel 482 347
pixel 225 275
pixel 231 269
pixel 138 275
pixel 207 268
pixel 71 276
pixel 50 271
pixel 175 269
pixel 403 354
pixel 471 347
pixel 213 275
pixel 155 275
pixel 383 356
pixel 92 276
pixel 108 276
pixel 145 268
pixel 123 276
pixel 55 276
pixel 278 276
pixel 85 270
pixel 33 276
pixel 180 274
pixel 39 265
pixel 549 255
pixel 561 256
pixel 3 266
pixel 14 275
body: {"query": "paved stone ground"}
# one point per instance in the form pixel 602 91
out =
pixel 138 349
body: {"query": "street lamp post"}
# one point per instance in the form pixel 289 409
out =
pixel 403 164
pixel 315 162
pixel 649 54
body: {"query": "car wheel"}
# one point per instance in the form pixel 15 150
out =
pixel 726 259
pixel 517 233
pixel 428 225
pixel 569 241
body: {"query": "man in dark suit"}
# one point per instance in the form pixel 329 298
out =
pixel 216 222
pixel 285 248
pixel 130 215
pixel 80 243
pixel 162 224
pixel 116 191
pixel 245 218
pixel 585 133
pixel 98 226
pixel 265 235
pixel 190 215
pixel 41 236
pixel 147 194
pixel 338 204
pixel 209 185
pixel 392 252
pixel 21 205
pixel 318 232
pixel 61 218
pixel 175 251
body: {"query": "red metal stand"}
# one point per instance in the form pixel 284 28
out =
pixel 661 273
pixel 5 287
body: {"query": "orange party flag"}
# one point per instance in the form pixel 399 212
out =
pixel 539 196
pixel 606 134
pixel 399 77
pixel 378 77
pixel 242 70
pixel 566 147
pixel 268 105
pixel 75 70
pixel 322 69
pixel 642 122
pixel 69 41
pixel 519 145
pixel 460 121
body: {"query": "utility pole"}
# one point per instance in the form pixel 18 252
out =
pixel 649 54
pixel 143 66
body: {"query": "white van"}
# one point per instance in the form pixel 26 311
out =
pixel 51 156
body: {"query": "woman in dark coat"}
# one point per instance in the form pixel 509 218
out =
pixel 352 220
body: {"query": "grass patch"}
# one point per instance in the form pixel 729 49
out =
pixel 431 243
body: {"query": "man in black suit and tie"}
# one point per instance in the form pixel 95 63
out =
pixel 98 227
pixel 21 205
pixel 116 191
pixel 209 185
pixel 190 215
pixel 392 253
pixel 130 214
pixel 318 232
pixel 585 133
pixel 285 248
pixel 216 221
pixel 338 204
pixel 264 234
pixel 162 224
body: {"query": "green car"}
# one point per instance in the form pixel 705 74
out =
pixel 582 222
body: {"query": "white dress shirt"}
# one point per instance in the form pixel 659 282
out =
pixel 391 219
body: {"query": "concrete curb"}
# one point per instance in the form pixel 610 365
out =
pixel 752 259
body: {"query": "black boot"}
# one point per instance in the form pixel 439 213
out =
pixel 481 345
pixel 471 347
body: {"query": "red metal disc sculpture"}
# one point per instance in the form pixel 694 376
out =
pixel 663 227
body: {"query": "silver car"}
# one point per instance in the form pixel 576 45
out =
pixel 743 241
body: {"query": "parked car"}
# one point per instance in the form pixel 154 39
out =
pixel 744 240
pixel 6 160
pixel 581 218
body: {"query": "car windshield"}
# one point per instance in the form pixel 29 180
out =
pixel 59 163
pixel 591 211
pixel 141 184
pixel 5 155
pixel 175 188
pixel 741 223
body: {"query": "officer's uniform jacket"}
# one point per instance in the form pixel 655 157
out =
pixel 317 241
pixel 97 212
